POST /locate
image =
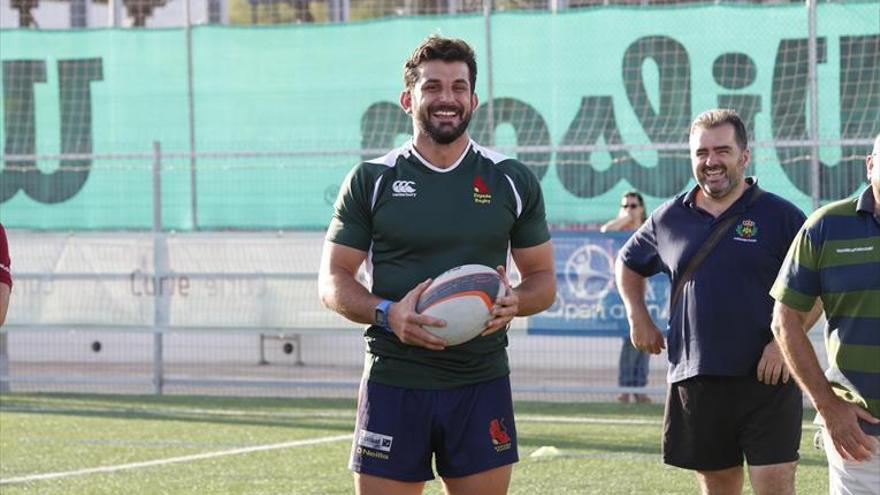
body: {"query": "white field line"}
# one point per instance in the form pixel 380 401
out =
pixel 172 460
pixel 526 418
pixel 168 411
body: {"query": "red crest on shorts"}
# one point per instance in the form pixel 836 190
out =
pixel 498 432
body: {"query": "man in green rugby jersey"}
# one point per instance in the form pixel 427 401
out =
pixel 439 201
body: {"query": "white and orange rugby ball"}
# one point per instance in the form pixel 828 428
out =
pixel 463 297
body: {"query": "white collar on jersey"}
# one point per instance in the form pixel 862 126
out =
pixel 412 149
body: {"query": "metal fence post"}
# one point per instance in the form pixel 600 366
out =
pixel 160 313
pixel 813 87
pixel 190 97
pixel 490 104
pixel 114 12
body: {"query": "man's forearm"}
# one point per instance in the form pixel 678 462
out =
pixel 791 336
pixel 631 286
pixel 342 293
pixel 614 224
pixel 536 292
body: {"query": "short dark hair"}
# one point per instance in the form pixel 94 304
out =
pixel 438 48
pixel 711 119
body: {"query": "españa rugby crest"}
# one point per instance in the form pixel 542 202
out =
pixel 499 436
pixel 482 196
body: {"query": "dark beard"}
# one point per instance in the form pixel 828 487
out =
pixel 445 134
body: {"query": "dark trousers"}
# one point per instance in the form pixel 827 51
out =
pixel 632 370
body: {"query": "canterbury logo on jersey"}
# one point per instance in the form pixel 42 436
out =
pixel 403 188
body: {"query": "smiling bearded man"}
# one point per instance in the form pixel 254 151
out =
pixel 722 244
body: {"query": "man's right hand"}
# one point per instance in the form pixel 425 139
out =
pixel 408 325
pixel 842 424
pixel 646 337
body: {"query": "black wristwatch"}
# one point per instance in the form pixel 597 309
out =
pixel 382 314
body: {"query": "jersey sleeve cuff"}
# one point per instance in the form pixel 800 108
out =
pixel 792 298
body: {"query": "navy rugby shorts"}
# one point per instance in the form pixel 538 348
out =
pixel 466 430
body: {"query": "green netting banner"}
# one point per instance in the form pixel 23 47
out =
pixel 595 101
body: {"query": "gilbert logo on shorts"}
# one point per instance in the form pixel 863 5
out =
pixel 746 231
pixel 403 189
pixel 499 436
pixel 373 444
pixel 481 192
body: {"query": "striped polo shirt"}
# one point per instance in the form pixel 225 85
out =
pixel 836 256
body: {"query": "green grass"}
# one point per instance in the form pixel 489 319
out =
pixel 600 452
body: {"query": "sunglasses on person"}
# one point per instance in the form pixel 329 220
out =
pixel 630 206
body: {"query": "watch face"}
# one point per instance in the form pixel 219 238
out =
pixel 381 318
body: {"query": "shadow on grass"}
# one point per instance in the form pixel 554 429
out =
pixel 635 446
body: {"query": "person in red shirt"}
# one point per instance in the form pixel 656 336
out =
pixel 5 275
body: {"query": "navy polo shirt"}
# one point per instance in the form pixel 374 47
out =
pixel 721 322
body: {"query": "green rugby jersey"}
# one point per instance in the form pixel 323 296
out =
pixel 836 256
pixel 416 221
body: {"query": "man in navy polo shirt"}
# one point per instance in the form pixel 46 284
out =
pixel 729 391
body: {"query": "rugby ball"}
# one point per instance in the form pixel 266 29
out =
pixel 463 297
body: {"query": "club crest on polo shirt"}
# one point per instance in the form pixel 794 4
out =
pixel 482 196
pixel 499 436
pixel 746 231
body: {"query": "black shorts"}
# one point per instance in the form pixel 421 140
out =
pixel 711 422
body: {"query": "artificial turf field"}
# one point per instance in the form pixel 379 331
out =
pixel 132 445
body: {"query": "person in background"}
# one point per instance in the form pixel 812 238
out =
pixel 834 263
pixel 5 275
pixel 633 364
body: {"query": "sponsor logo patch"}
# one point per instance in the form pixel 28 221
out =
pixel 746 231
pixel 403 189
pixel 498 434
pixel 371 453
pixel 374 441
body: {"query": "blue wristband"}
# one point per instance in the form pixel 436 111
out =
pixel 382 314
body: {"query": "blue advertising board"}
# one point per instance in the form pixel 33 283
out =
pixel 587 301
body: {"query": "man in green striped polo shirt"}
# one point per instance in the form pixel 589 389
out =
pixel 836 258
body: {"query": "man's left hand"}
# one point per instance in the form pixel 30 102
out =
pixel 772 366
pixel 506 306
